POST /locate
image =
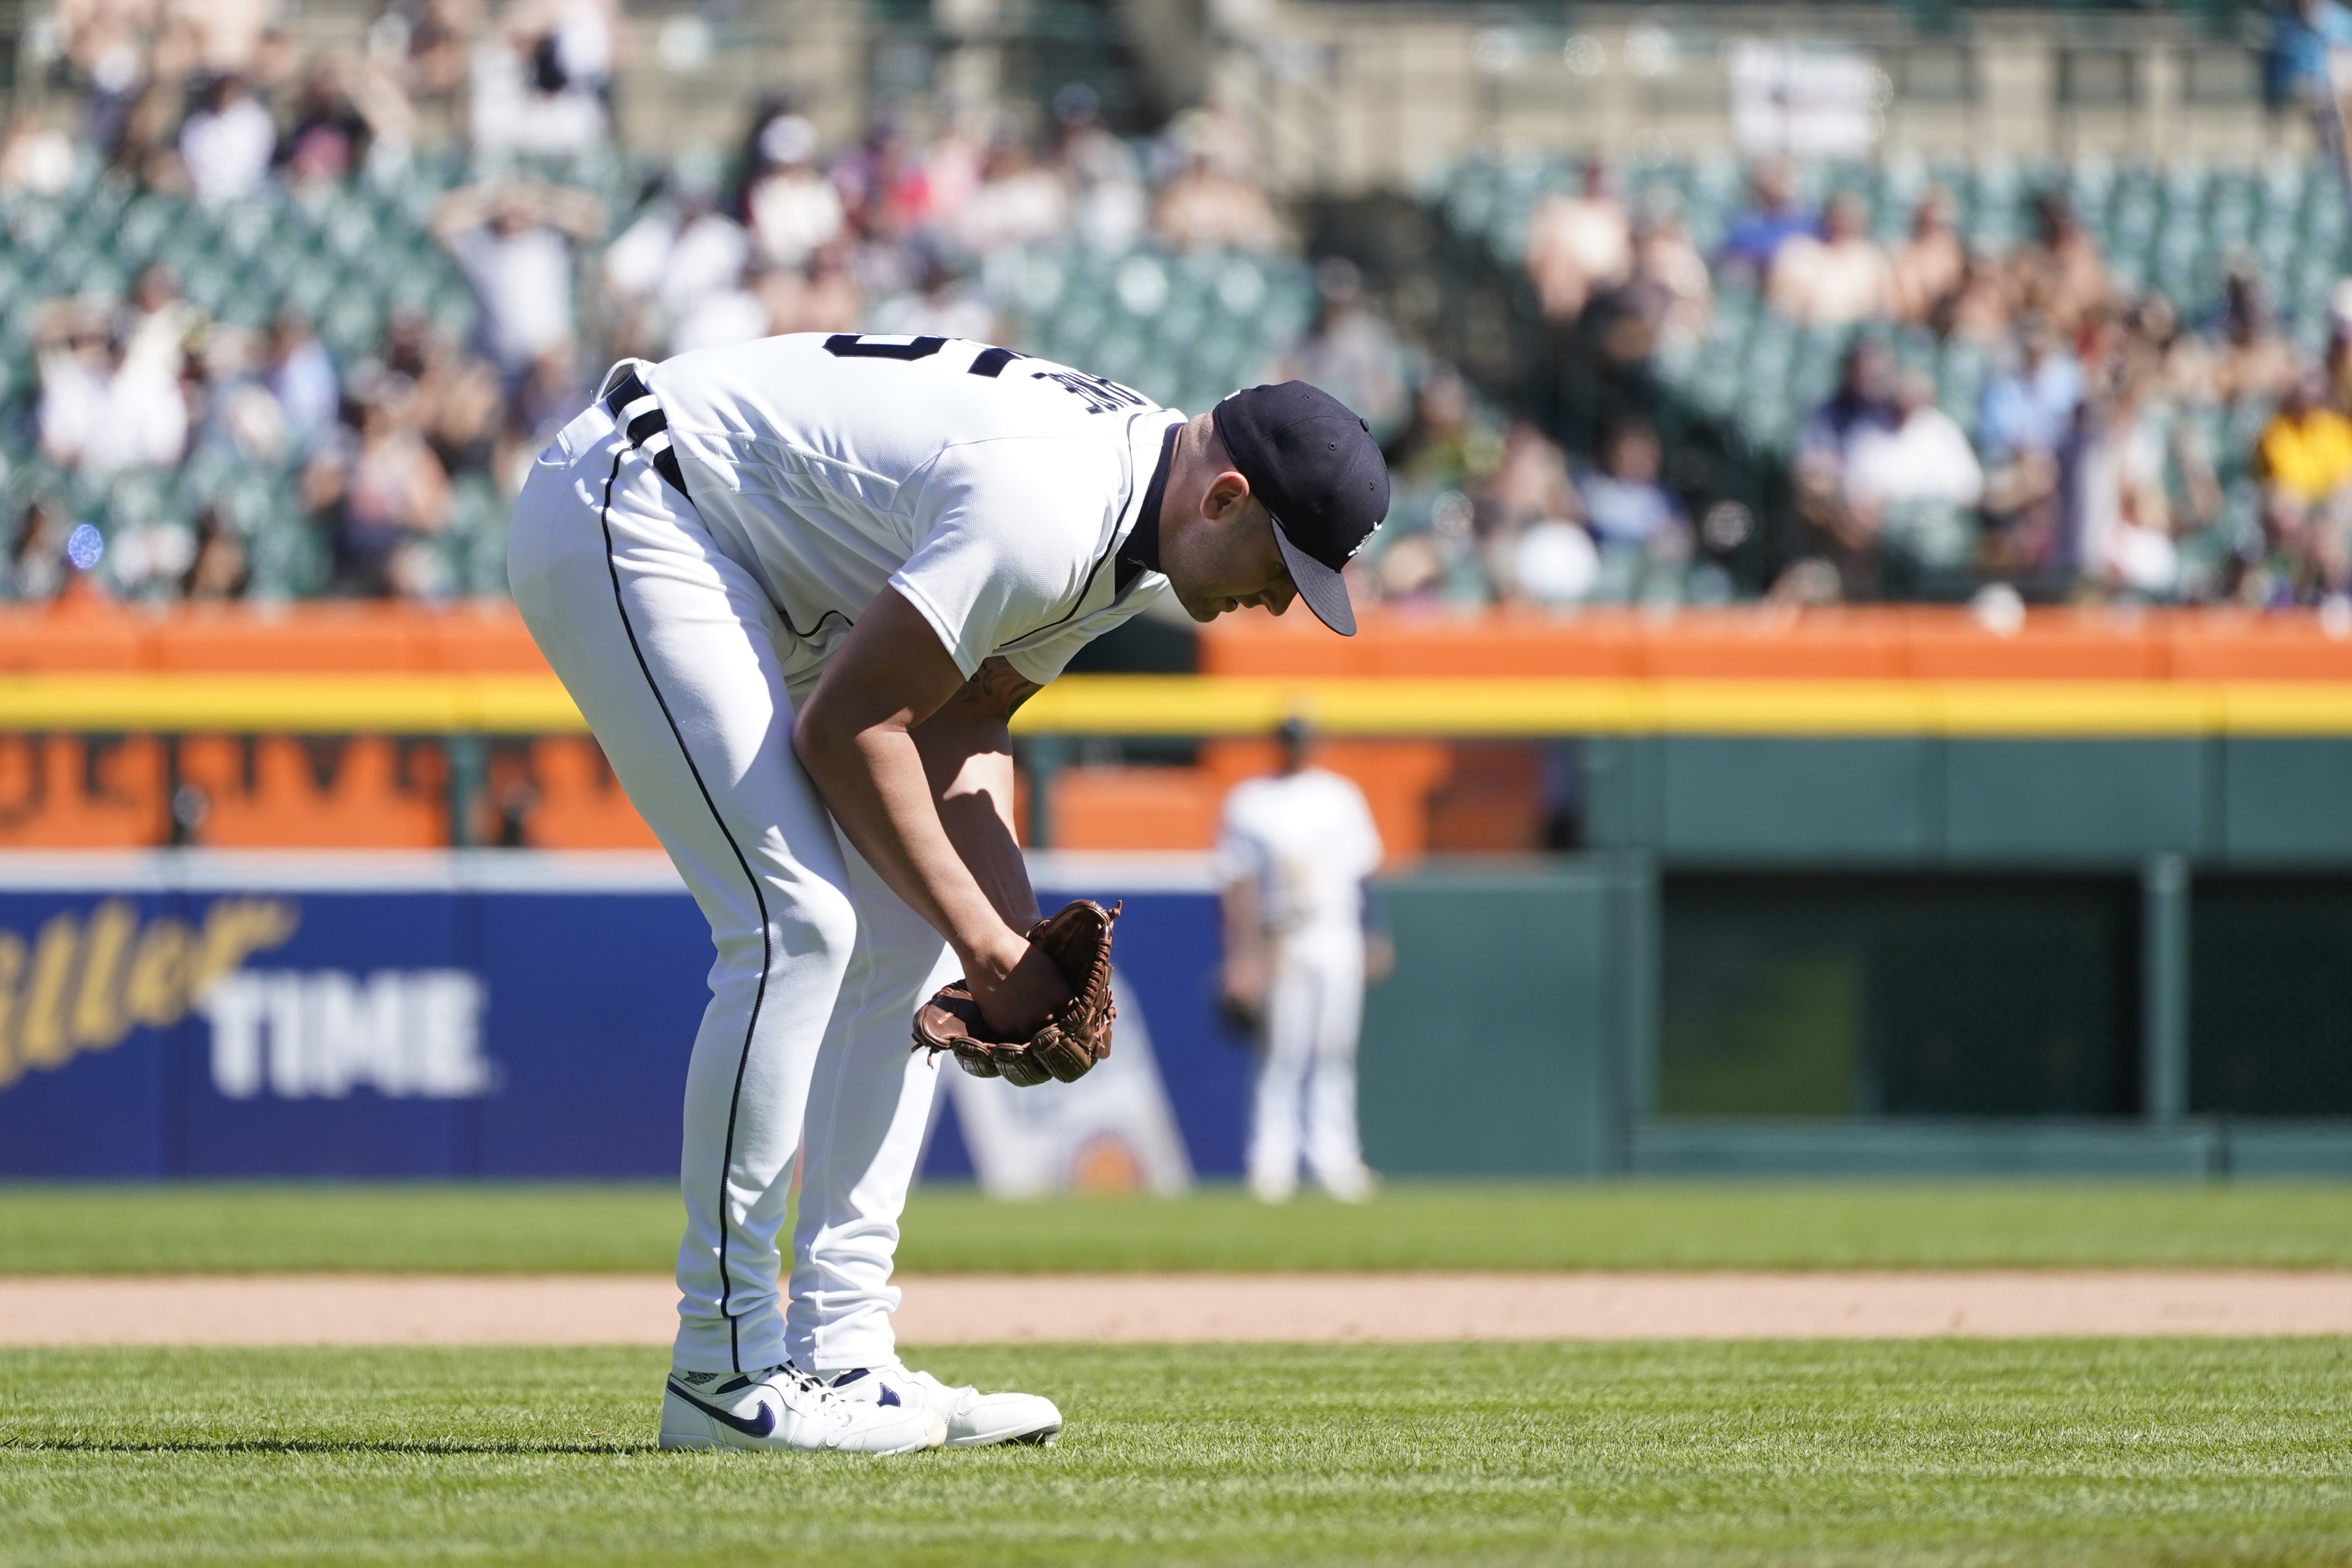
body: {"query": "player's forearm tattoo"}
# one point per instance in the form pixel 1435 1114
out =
pixel 996 690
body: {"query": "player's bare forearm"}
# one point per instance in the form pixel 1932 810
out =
pixel 855 735
pixel 967 755
pixel 1243 930
pixel 1245 955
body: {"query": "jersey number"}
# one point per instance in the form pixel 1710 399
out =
pixel 852 345
pixel 1100 396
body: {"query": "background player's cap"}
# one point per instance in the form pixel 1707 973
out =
pixel 1321 475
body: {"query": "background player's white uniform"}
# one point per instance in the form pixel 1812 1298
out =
pixel 991 492
pixel 1306 842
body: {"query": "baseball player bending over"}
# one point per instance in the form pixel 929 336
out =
pixel 797 587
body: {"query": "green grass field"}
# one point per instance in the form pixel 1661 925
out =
pixel 2158 1452
pixel 504 1229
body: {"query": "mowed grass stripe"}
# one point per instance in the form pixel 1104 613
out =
pixel 591 1228
pixel 2161 1451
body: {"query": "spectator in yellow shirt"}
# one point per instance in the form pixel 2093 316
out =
pixel 2306 450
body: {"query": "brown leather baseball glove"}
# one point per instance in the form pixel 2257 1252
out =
pixel 1078 1035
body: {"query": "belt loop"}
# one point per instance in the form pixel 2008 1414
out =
pixel 620 368
pixel 647 434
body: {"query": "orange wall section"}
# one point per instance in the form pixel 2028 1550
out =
pixel 1134 808
pixel 274 792
pixel 578 803
pixel 1740 642
pixel 71 792
pixel 329 637
pixel 1425 796
pixel 1766 642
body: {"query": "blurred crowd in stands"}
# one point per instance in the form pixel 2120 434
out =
pixel 2083 468
pixel 2083 464
pixel 570 255
pixel 215 105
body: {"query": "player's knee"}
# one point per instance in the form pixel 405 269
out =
pixel 805 931
pixel 818 924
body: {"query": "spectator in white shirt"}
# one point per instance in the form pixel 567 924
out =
pixel 681 257
pixel 1925 458
pixel 103 409
pixel 514 242
pixel 35 159
pixel 794 210
pixel 1109 204
pixel 1912 486
pixel 227 142
pixel 540 80
pixel 1020 202
pixel 1579 245
pixel 1839 279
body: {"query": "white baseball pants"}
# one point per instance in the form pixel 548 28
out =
pixel 1314 1013
pixel 670 649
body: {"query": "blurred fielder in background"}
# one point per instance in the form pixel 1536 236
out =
pixel 1293 854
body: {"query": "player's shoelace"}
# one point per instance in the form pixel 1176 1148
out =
pixel 825 1402
pixel 802 1391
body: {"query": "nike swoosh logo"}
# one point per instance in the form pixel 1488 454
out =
pixel 760 1428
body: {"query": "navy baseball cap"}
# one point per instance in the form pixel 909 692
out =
pixel 1321 475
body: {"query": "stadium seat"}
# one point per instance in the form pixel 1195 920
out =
pixel 70 792
pixel 283 792
pixel 576 802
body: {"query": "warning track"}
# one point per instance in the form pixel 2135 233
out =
pixel 446 1310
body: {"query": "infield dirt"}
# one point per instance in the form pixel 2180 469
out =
pixel 412 1309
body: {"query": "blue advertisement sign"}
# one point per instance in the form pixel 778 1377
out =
pixel 485 1013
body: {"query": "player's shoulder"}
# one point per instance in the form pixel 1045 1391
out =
pixel 1304 796
pixel 1032 405
pixel 1252 796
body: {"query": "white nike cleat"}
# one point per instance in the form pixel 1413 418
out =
pixel 783 1407
pixel 974 1420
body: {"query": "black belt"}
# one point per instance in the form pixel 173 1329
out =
pixel 642 430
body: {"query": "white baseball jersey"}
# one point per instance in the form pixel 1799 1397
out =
pixel 1306 840
pixel 989 489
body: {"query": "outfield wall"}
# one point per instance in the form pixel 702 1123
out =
pixel 510 1014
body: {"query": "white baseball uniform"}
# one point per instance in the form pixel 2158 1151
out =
pixel 1306 842
pixel 991 491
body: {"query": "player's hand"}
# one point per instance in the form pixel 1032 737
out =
pixel 1017 986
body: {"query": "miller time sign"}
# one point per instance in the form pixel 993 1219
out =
pixel 84 980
